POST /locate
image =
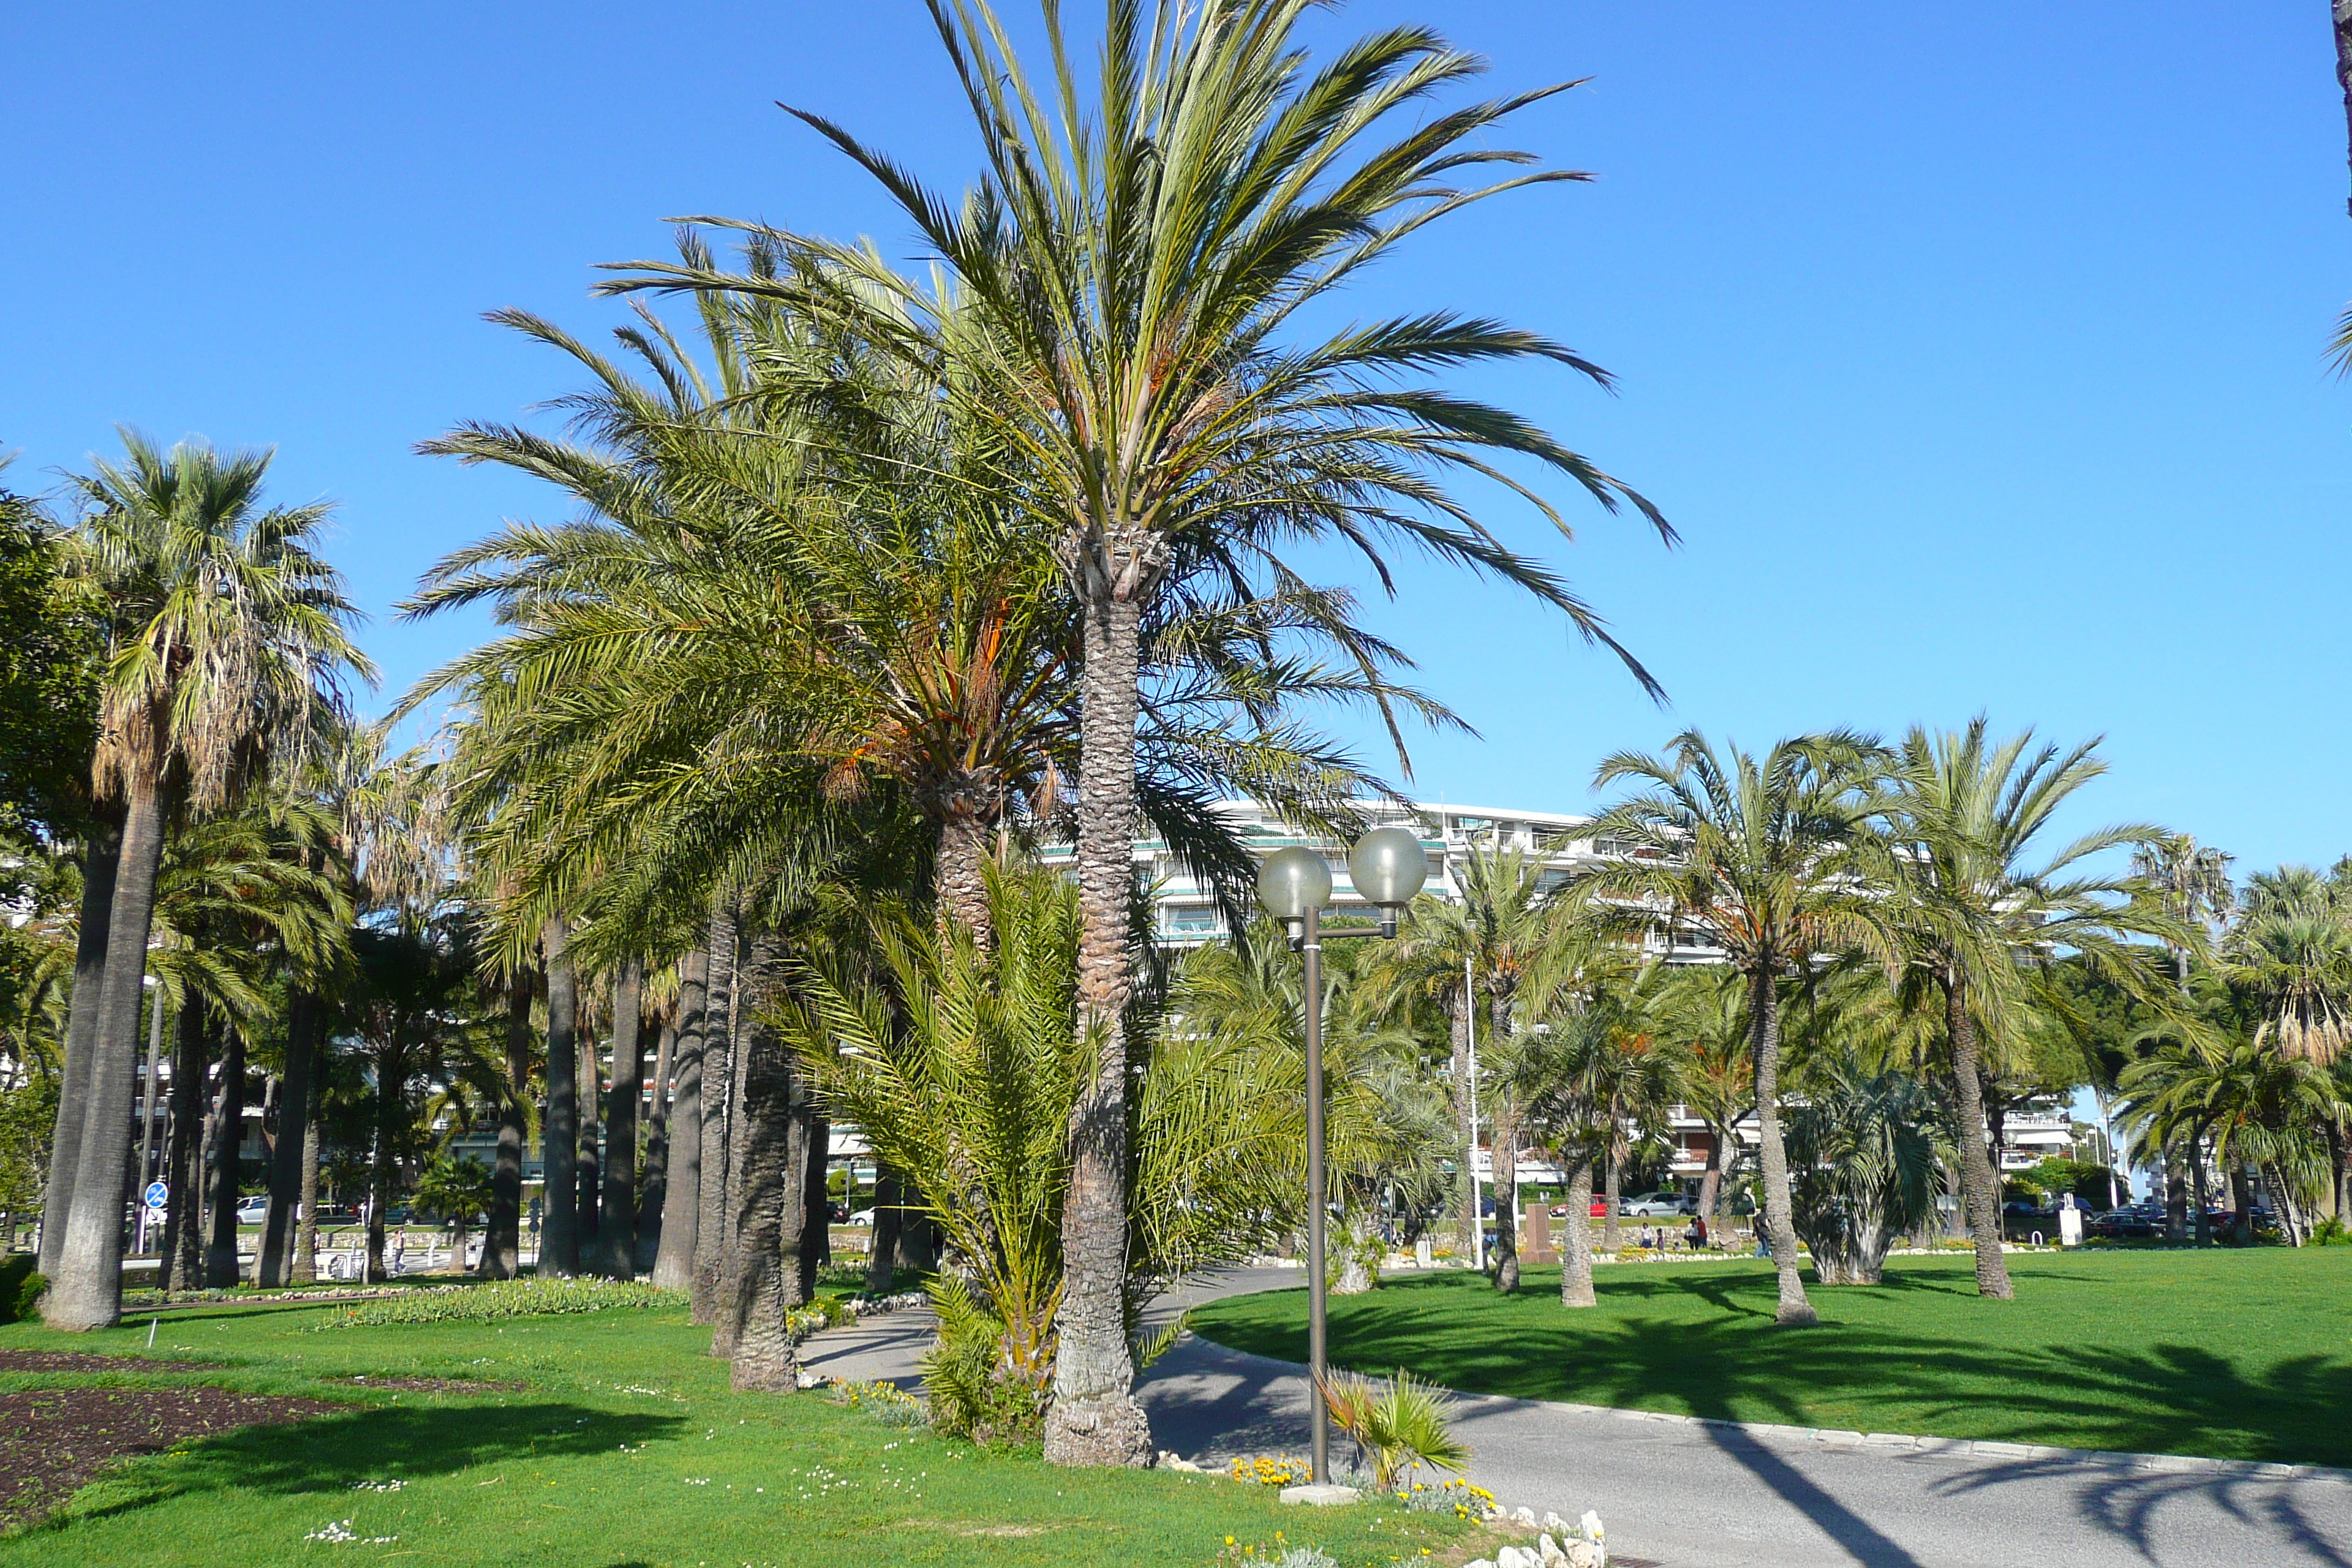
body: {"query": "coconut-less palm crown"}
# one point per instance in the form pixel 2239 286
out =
pixel 1965 812
pixel 1754 851
pixel 231 642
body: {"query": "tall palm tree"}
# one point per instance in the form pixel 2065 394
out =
pixel 1964 813
pixel 1125 282
pixel 1474 955
pixel 241 646
pixel 1758 853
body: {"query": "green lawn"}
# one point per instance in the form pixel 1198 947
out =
pixel 625 1448
pixel 2228 1355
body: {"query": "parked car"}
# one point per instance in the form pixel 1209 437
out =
pixel 252 1211
pixel 863 1216
pixel 2134 1224
pixel 1656 1205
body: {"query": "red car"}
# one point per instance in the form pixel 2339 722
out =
pixel 1600 1209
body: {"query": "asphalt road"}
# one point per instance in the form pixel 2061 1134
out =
pixel 1688 1495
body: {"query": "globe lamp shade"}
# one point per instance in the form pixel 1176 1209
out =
pixel 1388 867
pixel 1292 882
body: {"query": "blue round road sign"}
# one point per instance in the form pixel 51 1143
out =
pixel 158 1195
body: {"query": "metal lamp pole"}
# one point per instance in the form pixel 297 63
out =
pixel 1388 867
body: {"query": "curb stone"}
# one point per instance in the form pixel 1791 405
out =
pixel 1961 1448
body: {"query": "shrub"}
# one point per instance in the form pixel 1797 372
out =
pixel 505 1298
pixel 21 1285
pixel 1400 1426
pixel 886 1402
pixel 977 1389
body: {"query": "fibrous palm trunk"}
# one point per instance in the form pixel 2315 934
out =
pixel 85 1292
pixel 1978 1184
pixel 383 1173
pixel 653 1172
pixel 591 1220
pixel 1612 1189
pixel 1778 1220
pixel 559 1234
pixel 502 1240
pixel 881 1264
pixel 755 972
pixel 1576 1236
pixel 817 1198
pixel 1094 1419
pixel 2242 1206
pixel 293 1129
pixel 2175 1193
pixel 710 1232
pixel 183 1172
pixel 1506 1199
pixel 765 1282
pixel 959 883
pixel 1710 1183
pixel 2204 1218
pixel 617 1219
pixel 681 1212
pixel 220 1254
pixel 98 862
pixel 304 1267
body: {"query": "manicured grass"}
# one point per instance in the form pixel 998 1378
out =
pixel 2228 1354
pixel 625 1448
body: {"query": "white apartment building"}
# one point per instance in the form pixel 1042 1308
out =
pixel 1186 916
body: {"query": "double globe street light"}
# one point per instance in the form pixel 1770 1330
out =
pixel 1388 867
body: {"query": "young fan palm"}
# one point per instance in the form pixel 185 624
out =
pixel 1126 284
pixel 1753 851
pixel 239 646
pixel 1964 813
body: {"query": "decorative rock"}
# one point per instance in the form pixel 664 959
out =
pixel 1548 1550
pixel 1320 1497
pixel 1516 1557
pixel 1557 1525
pixel 1525 1516
pixel 1585 1554
pixel 1170 1461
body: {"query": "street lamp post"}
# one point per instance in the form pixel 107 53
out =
pixel 1388 867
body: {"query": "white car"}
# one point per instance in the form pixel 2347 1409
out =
pixel 252 1211
pixel 1655 1206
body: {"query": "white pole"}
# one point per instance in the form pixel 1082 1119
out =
pixel 1477 1214
pixel 2107 1136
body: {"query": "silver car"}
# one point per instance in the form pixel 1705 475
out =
pixel 1656 1205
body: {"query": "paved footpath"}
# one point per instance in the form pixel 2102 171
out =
pixel 1688 1494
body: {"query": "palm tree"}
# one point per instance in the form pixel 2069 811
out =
pixel 1864 1146
pixel 1474 955
pixel 1123 280
pixel 1756 853
pixel 1964 812
pixel 1705 1010
pixel 240 645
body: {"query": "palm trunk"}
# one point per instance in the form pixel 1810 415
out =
pixel 617 1221
pixel 653 1175
pixel 304 1267
pixel 881 1264
pixel 502 1240
pixel 2204 1222
pixel 1094 1419
pixel 85 1292
pixel 711 1235
pixel 751 1147
pixel 1576 1238
pixel 293 1128
pixel 1977 1181
pixel 559 1234
pixel 960 882
pixel 681 1214
pixel 1507 1198
pixel 221 1268
pixel 1613 1235
pixel 770 1223
pixel 2176 1193
pixel 590 1080
pixel 381 1170
pixel 1710 1182
pixel 1777 1220
pixel 99 859
pixel 2241 1202
pixel 191 1063
pixel 816 1197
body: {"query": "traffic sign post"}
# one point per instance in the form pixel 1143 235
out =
pixel 158 1195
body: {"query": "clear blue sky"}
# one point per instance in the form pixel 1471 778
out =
pixel 1976 350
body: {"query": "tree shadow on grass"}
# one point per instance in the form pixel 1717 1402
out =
pixel 330 1454
pixel 1732 1363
